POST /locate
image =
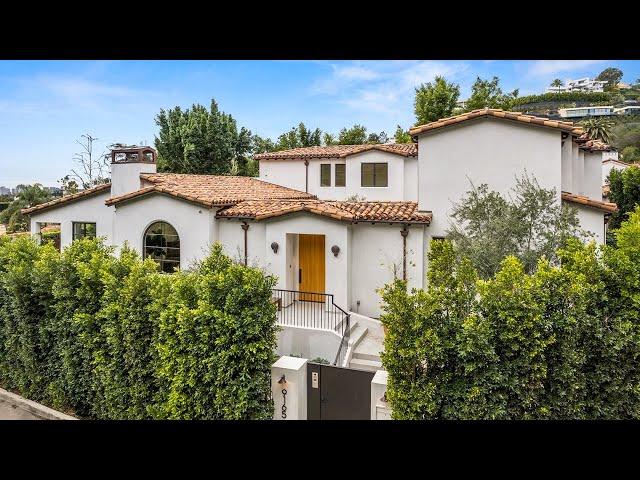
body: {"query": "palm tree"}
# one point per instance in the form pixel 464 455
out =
pixel 29 196
pixel 598 129
pixel 557 83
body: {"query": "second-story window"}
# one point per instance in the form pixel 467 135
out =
pixel 325 175
pixel 374 175
pixel 83 230
pixel 340 175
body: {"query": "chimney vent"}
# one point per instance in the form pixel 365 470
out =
pixel 133 154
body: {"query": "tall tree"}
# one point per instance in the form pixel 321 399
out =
pixel 401 135
pixel 356 135
pixel 201 141
pixel 29 196
pixel 598 128
pixel 435 100
pixel 612 76
pixel 488 94
pixel 377 138
pixel 299 136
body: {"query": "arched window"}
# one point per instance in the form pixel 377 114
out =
pixel 162 243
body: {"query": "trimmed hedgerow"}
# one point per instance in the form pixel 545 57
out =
pixel 560 343
pixel 110 337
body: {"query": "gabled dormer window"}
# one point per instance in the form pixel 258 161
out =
pixel 374 175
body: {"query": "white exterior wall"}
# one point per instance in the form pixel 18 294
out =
pixel 591 220
pixel 231 236
pixel 336 268
pixel 192 222
pixel 125 177
pixel 567 164
pixel 593 175
pixel 91 210
pixel 291 173
pixel 411 179
pixel 288 173
pixel 488 151
pixel 375 250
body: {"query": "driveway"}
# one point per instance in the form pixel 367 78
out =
pixel 10 411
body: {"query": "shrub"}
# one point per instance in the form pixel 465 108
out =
pixel 562 342
pixel 111 337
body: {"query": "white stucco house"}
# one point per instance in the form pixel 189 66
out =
pixel 336 223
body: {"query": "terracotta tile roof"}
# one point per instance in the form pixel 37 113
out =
pixel 67 199
pixel 593 145
pixel 210 190
pixel 379 212
pixel 589 202
pixel 497 113
pixel 340 151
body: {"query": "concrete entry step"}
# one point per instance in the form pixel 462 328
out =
pixel 363 364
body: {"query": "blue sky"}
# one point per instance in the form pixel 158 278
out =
pixel 46 105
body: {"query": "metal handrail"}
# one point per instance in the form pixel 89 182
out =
pixel 304 313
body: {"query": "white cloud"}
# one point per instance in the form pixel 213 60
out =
pixel 551 67
pixel 381 86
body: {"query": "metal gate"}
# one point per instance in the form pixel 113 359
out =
pixel 337 393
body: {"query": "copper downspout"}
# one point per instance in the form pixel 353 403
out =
pixel 245 227
pixel 306 174
pixel 404 232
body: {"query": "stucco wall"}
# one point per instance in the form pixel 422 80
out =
pixel 484 151
pixel 593 175
pixel 91 210
pixel 291 173
pixel 288 173
pixel 231 236
pixel 591 220
pixel 125 177
pixel 336 268
pixel 192 222
pixel 375 251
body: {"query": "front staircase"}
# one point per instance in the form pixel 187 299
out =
pixel 365 344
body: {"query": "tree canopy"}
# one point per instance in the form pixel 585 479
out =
pixel 530 224
pixel 612 76
pixel 203 141
pixel 624 190
pixel 488 94
pixel 435 100
pixel 29 196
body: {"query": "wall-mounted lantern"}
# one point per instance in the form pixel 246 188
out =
pixel 335 250
pixel 274 247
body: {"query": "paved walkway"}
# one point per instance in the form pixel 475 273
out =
pixel 9 411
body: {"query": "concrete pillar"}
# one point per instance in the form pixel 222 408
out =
pixel 290 374
pixel 380 409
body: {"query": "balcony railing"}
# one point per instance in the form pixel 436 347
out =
pixel 313 310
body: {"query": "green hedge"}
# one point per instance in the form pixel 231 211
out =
pixel 109 337
pixel 562 97
pixel 561 343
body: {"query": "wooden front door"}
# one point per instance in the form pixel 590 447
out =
pixel 311 265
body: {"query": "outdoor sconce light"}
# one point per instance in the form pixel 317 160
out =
pixel 274 247
pixel 335 250
pixel 282 380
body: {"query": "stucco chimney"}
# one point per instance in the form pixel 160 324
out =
pixel 127 164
